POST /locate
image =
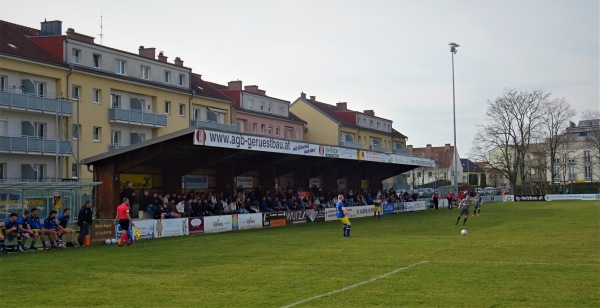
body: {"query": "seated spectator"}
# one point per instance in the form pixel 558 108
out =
pixel 167 213
pixel 11 231
pixel 264 206
pixel 181 208
pixel 254 207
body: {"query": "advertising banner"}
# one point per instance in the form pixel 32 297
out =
pixel 137 180
pixel 214 224
pixel 145 229
pixel 244 181
pixel 130 232
pixel 508 198
pixel 102 231
pixel 590 197
pixel 195 182
pixel 341 183
pixel 389 208
pixel 311 215
pixel 562 197
pixel 528 198
pixel 295 217
pixel 249 221
pixel 196 225
pixel 360 211
pixel 275 219
pixel 415 206
pixel 337 152
pixel 171 227
pixel 330 214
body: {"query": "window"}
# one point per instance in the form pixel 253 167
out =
pixel 145 72
pixel 557 173
pixel 571 161
pixel 120 66
pixel 587 172
pixel 262 106
pixel 277 131
pixel 167 77
pixel 2 171
pixel 298 136
pixel 255 127
pixel 75 92
pixel 196 114
pixel 96 133
pixel 262 128
pixel 3 83
pixel 182 109
pixel 76 130
pixel 40 88
pixel 371 123
pixel 96 96
pixel 34 172
pixel 115 101
pixel 115 137
pixel 241 125
pixel 287 133
pixel 74 171
pixel 76 53
pixel 167 107
pixel 212 116
pixel 586 156
pixel 40 130
pixel 419 174
pixel 136 138
pixel 270 129
pixel 429 174
pixel 181 79
pixel 96 60
pixel 377 125
pixel 571 172
pixel 269 107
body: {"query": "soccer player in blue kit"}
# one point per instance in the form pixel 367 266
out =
pixel 343 215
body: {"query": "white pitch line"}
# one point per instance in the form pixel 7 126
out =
pixel 354 285
pixel 519 263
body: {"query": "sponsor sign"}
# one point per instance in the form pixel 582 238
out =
pixel 341 183
pixel 509 198
pixel 256 143
pixel 146 229
pixel 389 208
pixel 244 181
pixel 196 225
pixel 360 211
pixel 562 197
pixel 320 216
pixel 528 198
pixel 214 224
pixel 195 181
pixel 171 227
pixel 295 217
pixel 249 221
pixel 590 197
pixel 102 231
pixel 409 160
pixel 311 215
pixel 373 156
pixel 337 152
pixel 314 181
pixel 130 232
pixel 138 180
pixel 274 219
pixel 415 206
pixel 330 214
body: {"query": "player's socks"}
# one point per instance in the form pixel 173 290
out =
pixel 457 220
pixel 465 221
pixel 344 230
pixel 348 230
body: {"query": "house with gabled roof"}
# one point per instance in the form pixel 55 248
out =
pixel 444 156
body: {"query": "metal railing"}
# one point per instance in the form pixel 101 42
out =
pixel 214 125
pixel 138 117
pixel 27 144
pixel 400 151
pixel 379 148
pixel 112 147
pixel 28 101
pixel 352 145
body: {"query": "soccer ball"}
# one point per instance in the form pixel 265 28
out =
pixel 107 241
pixel 113 241
pixel 463 232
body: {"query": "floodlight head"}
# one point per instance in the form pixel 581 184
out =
pixel 453 44
pixel 453 47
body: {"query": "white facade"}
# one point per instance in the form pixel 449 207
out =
pixel 263 104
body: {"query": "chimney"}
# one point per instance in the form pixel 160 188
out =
pixel 302 95
pixel 447 145
pixel 428 145
pixel 409 147
pixel 234 85
pixel 178 61
pixel 342 105
pixel 252 89
pixel 51 28
pixel 78 36
pixel 313 98
pixel 369 112
pixel 149 53
pixel 161 57
pixel 571 124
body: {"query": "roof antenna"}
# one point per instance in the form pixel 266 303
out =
pixel 101 30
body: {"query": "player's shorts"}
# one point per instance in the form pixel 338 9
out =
pixel 13 234
pixel 464 211
pixel 345 220
pixel 377 209
pixel 124 223
pixel 477 206
pixel 38 231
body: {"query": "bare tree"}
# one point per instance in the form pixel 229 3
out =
pixel 592 140
pixel 513 123
pixel 555 120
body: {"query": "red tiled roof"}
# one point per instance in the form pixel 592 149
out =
pixel 442 155
pixel 206 88
pixel 15 40
pixel 398 134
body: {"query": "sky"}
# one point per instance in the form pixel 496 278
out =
pixel 389 56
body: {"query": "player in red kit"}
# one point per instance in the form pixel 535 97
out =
pixel 124 219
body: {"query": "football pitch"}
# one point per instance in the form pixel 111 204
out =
pixel 540 254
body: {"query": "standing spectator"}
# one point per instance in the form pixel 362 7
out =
pixel 449 198
pixel 84 221
pixel 146 201
pixel 181 208
pixel 435 199
pixel 128 193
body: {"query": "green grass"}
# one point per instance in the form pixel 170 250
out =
pixel 541 254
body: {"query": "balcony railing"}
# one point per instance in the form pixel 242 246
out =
pixel 31 102
pixel 400 151
pixel 112 147
pixel 214 125
pixel 137 117
pixel 352 145
pixel 34 145
pixel 379 148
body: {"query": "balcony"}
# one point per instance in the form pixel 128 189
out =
pixel 34 145
pixel 400 151
pixel 352 145
pixel 379 148
pixel 214 125
pixel 29 102
pixel 137 117
pixel 113 147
